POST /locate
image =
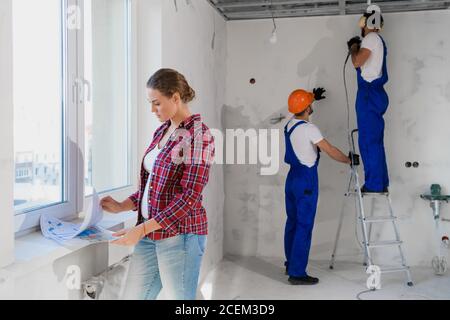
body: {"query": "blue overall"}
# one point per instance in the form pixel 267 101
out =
pixel 301 194
pixel 371 103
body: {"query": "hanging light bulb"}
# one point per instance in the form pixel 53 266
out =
pixel 273 38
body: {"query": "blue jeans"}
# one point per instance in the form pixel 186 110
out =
pixel 172 264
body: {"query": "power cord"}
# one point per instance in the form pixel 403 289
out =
pixel 347 101
pixel 358 296
pixel 350 145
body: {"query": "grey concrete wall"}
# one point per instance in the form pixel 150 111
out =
pixel 310 52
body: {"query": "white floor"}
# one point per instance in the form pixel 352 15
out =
pixel 241 278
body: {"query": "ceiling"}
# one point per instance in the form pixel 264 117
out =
pixel 262 9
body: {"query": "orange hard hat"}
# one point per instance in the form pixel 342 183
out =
pixel 300 100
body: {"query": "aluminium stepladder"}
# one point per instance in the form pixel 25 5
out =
pixel 366 222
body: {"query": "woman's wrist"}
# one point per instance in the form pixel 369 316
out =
pixel 147 227
pixel 126 205
pixel 150 226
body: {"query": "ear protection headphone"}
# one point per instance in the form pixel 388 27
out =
pixel 363 20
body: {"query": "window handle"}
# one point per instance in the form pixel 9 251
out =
pixel 78 90
pixel 74 91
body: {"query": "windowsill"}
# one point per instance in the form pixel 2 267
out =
pixel 33 251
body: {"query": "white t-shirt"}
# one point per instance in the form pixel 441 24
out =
pixel 304 139
pixel 149 161
pixel 372 69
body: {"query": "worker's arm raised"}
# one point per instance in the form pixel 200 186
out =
pixel 359 57
pixel 333 152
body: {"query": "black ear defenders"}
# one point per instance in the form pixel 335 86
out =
pixel 366 15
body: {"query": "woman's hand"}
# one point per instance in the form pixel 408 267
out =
pixel 129 237
pixel 110 205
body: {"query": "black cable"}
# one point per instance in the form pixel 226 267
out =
pixel 348 103
pixel 349 136
pixel 273 18
pixel 358 296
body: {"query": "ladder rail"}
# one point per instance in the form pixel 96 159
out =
pixel 338 233
pixel 397 235
pixel 367 254
pixel 372 204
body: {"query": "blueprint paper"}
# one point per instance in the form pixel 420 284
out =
pixel 94 213
pixel 62 231
pixel 97 234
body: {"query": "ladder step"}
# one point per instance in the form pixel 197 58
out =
pixel 375 194
pixel 394 269
pixel 378 244
pixel 369 194
pixel 379 219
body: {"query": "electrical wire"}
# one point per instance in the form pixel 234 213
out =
pixel 347 101
pixel 274 24
pixel 273 18
pixel 213 41
pixel 349 137
pixel 358 296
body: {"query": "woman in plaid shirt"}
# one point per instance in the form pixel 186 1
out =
pixel 170 234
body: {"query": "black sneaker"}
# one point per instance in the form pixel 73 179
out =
pixel 306 280
pixel 365 190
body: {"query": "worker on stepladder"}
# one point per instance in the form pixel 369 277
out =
pixel 369 59
pixel 303 144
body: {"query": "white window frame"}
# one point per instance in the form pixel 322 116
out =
pixel 74 96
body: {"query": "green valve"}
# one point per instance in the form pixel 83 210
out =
pixel 436 194
pixel 435 190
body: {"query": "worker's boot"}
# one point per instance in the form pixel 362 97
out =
pixel 306 280
pixel 365 190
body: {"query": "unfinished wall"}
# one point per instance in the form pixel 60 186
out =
pixel 6 132
pixel 187 46
pixel 311 52
pixel 149 59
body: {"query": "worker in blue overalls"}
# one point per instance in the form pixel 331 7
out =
pixel 303 143
pixel 369 59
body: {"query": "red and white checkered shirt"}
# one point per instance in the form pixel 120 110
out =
pixel 179 175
